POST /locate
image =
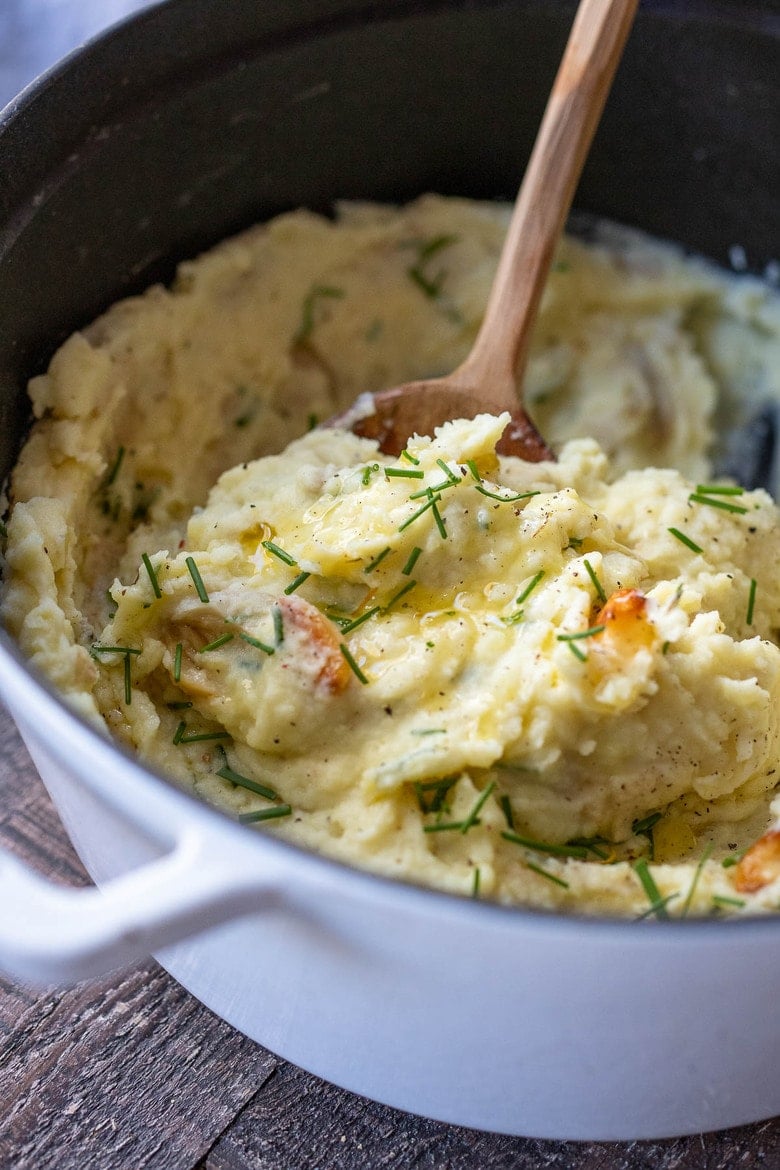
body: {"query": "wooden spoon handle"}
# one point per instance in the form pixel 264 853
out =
pixel 573 110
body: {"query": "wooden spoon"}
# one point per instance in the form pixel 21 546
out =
pixel 487 380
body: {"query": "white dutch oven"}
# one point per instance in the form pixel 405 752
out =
pixel 519 1022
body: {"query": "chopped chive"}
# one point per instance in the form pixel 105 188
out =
pixel 714 502
pixel 665 647
pixel 266 814
pixel 751 601
pixel 593 844
pixel 645 824
pixel 128 681
pixel 506 808
pixel 505 499
pixel 577 652
pixel 657 903
pixel 413 555
pixel 734 859
pixel 3 530
pixel 297 582
pixel 529 588
pixel 202 736
pixel 278 625
pixel 551 877
pixel 471 819
pixel 403 473
pixel 514 619
pixel 180 705
pixel 475 883
pixel 177 662
pixel 215 645
pixel 152 575
pixel 317 292
pixel 589 633
pixel 368 471
pixel 227 773
pixel 546 846
pixel 358 673
pixel 451 476
pixel 275 551
pixel 420 512
pixel 348 627
pixel 114 471
pixel 200 588
pixel 407 455
pixel 397 596
pixel 439 520
pixel 256 643
pixel 445 827
pixel 474 470
pixel 695 881
pixel 97 648
pixel 723 900
pixel 686 540
pixel 377 560
pixel 718 489
pixel 179 732
pixel 658 908
pixel 432 794
pixel 311 422
pixel 428 731
pixel 596 583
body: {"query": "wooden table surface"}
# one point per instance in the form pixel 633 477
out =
pixel 131 1072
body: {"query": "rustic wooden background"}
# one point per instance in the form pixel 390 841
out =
pixel 132 1073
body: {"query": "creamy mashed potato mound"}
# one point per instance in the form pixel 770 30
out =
pixel 552 684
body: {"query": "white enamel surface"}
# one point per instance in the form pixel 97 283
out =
pixel 500 1020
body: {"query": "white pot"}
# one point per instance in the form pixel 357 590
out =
pixel 519 1022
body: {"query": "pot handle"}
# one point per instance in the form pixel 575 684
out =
pixel 55 934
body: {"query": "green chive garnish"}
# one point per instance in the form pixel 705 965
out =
pixel 407 455
pixel 474 470
pixel 751 601
pixel 589 633
pixel 197 580
pixel 506 808
pixel 717 489
pixel 413 555
pixel 358 673
pixel 202 736
pixel 530 587
pixel 179 732
pixel 686 540
pixel 256 643
pixel 397 596
pixel 403 473
pixel 114 471
pixel 657 903
pixel 451 476
pixel 475 883
pixel 551 877
pixel 275 551
pixel 377 560
pixel 128 685
pixel 368 471
pixel 471 819
pixel 266 814
pixel 596 583
pixel 577 652
pixel 695 881
pixel 658 908
pixel 227 773
pixel 97 648
pixel 297 582
pixel 723 900
pixel 546 846
pixel 445 827
pixel 734 859
pixel 348 627
pixel 278 625
pixel 152 575
pixel 317 292
pixel 3 530
pixel 714 502
pixel 177 663
pixel 420 512
pixel 505 499
pixel 439 520
pixel 215 645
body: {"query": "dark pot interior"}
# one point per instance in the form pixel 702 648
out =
pixel 198 117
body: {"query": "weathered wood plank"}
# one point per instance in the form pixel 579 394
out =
pixel 297 1122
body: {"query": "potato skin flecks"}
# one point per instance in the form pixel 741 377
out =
pixel 315 643
pixel 760 865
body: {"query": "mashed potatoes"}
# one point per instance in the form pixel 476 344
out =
pixel 554 684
